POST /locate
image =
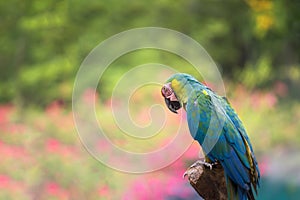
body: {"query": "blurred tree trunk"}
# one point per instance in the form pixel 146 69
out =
pixel 209 184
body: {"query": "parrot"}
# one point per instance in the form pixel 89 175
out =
pixel 216 126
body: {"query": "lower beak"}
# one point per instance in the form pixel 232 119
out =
pixel 172 105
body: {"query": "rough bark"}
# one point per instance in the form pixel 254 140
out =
pixel 209 183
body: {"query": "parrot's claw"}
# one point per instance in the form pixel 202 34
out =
pixel 185 174
pixel 203 162
pixel 199 163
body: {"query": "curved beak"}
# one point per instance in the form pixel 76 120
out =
pixel 170 98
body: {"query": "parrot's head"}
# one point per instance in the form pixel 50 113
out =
pixel 175 91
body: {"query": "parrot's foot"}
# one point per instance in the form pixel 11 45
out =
pixel 203 162
pixel 198 163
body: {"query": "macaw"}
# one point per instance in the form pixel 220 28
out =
pixel 216 126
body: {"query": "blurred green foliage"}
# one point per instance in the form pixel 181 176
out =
pixel 44 42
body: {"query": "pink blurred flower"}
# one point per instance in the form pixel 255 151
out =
pixel 256 100
pixel 90 96
pixel 103 145
pixel 54 189
pixel 55 108
pixel 157 185
pixel 104 191
pixel 263 166
pixel 161 184
pixel 263 100
pixel 4 181
pixel 5 111
pixel 280 88
pixel 12 186
pixel 52 145
pixel 271 99
pixel 143 189
pixel 13 151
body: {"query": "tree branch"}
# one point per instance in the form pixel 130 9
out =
pixel 209 184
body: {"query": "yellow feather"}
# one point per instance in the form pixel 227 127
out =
pixel 204 92
pixel 253 172
pixel 175 84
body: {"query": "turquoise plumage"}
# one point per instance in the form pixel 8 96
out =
pixel 216 126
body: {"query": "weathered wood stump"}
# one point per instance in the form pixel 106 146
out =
pixel 209 183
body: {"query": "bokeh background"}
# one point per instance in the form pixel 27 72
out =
pixel 254 43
